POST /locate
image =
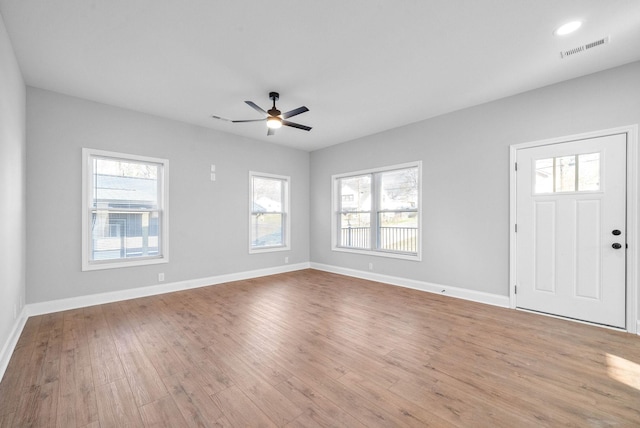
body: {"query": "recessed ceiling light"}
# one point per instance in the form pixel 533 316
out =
pixel 567 28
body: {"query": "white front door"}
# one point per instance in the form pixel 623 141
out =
pixel 571 237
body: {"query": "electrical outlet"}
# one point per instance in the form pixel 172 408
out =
pixel 160 277
pixel 370 266
pixel 286 259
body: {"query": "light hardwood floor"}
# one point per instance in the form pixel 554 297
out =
pixel 309 349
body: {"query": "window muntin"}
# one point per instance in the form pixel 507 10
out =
pixel 570 173
pixel 124 214
pixel 378 211
pixel 269 220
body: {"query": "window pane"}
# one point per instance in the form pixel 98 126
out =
pixel 398 231
pixel 268 221
pixel 589 172
pixel 355 193
pixel 122 184
pixel 123 219
pixel 355 230
pixel 559 174
pixel 566 174
pixel 121 235
pixel 267 194
pixel 399 189
pixel 266 229
pixel 544 175
pixel 378 211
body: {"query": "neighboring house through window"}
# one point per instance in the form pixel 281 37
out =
pixel 269 222
pixel 378 211
pixel 124 214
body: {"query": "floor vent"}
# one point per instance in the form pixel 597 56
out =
pixel 583 48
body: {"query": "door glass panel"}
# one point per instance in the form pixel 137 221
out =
pixel 544 176
pixel 565 174
pixel 572 173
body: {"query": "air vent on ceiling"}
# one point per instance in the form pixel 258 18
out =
pixel 583 48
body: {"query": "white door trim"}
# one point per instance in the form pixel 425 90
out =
pixel 633 322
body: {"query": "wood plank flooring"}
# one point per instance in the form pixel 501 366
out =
pixel 314 349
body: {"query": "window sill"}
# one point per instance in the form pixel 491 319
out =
pixel 380 253
pixel 117 264
pixel 269 249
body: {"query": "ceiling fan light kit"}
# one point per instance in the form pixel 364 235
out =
pixel 274 118
pixel 274 122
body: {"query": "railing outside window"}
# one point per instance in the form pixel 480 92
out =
pixel 400 239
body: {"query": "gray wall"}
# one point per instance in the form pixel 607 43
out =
pixel 12 186
pixel 465 158
pixel 208 220
pixel 465 185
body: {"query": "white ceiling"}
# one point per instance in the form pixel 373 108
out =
pixel 360 66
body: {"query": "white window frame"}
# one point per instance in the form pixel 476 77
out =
pixel 286 191
pixel 375 209
pixel 87 200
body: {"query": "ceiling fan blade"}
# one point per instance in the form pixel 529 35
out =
pixel 256 107
pixel 271 131
pixel 249 120
pixel 296 125
pixel 294 112
pixel 221 118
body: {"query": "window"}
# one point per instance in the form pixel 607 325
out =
pixel 378 211
pixel 269 212
pixel 572 173
pixel 124 215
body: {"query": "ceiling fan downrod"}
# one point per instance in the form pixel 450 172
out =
pixel 275 97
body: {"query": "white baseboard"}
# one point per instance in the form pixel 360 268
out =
pixel 116 296
pixel 460 293
pixel 12 341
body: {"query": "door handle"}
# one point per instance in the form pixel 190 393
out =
pixel 616 246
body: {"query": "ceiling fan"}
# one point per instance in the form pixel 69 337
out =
pixel 274 118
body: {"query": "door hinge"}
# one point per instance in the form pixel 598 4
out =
pixel 515 289
pixel 516 228
pixel 516 166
